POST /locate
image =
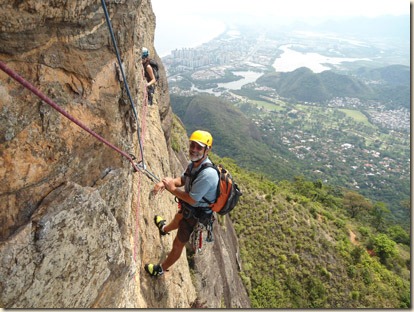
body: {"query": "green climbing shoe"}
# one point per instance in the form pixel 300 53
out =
pixel 160 222
pixel 154 269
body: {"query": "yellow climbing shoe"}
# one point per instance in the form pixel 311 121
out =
pixel 154 269
pixel 160 222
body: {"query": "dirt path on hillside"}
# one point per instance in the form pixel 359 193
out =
pixel 352 237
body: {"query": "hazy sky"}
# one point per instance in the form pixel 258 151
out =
pixel 282 8
pixel 182 23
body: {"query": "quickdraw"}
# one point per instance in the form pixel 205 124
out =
pixel 196 238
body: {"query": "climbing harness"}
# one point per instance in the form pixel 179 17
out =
pixel 196 237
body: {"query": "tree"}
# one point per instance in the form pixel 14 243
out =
pixel 379 214
pixel 406 204
pixel 384 247
pixel 355 203
pixel 399 235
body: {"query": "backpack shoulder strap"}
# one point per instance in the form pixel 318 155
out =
pixel 209 165
pixel 203 166
pixel 187 172
pixel 153 63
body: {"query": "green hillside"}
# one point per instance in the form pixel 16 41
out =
pixel 394 75
pixel 386 84
pixel 391 84
pixel 234 135
pixel 304 243
pixel 255 144
pixel 304 85
pixel 301 249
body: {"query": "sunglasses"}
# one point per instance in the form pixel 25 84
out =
pixel 194 145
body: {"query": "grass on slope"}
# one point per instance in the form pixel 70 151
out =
pixel 297 252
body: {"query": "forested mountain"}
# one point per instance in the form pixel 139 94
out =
pixel 394 75
pixel 322 160
pixel 304 85
pixel 388 84
pixel 391 84
pixel 303 244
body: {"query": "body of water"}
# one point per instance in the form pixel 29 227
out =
pixel 248 77
pixel 177 34
pixel 290 60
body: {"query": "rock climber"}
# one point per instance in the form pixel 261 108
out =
pixel 191 207
pixel 149 74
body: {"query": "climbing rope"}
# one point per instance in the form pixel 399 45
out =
pixel 108 21
pixel 47 100
pixel 140 164
pixel 143 132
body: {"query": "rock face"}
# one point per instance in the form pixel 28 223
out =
pixel 216 270
pixel 76 219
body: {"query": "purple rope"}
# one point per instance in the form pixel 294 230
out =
pixel 44 98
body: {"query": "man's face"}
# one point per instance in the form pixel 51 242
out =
pixel 196 151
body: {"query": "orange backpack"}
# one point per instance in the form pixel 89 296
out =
pixel 228 192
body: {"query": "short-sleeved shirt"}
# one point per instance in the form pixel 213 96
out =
pixel 205 185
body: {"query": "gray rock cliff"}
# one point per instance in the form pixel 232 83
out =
pixel 76 219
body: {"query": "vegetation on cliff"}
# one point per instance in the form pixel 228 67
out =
pixel 302 246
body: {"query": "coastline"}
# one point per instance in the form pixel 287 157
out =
pixel 171 38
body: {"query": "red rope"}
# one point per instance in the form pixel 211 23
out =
pixel 44 98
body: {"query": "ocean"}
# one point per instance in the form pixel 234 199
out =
pixel 188 32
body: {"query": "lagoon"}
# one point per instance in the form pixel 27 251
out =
pixel 290 60
pixel 248 77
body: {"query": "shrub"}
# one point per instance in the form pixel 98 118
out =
pixel 384 247
pixel 355 295
pixel 351 271
pixel 365 231
pixel 295 258
pixel 340 223
pixel 399 235
pixel 282 258
pixel 356 254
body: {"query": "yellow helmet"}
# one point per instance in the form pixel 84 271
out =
pixel 202 137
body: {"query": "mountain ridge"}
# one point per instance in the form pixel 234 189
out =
pixel 304 85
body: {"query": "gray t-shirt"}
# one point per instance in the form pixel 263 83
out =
pixel 205 185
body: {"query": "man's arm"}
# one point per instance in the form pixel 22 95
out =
pixel 159 187
pixel 151 74
pixel 172 185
